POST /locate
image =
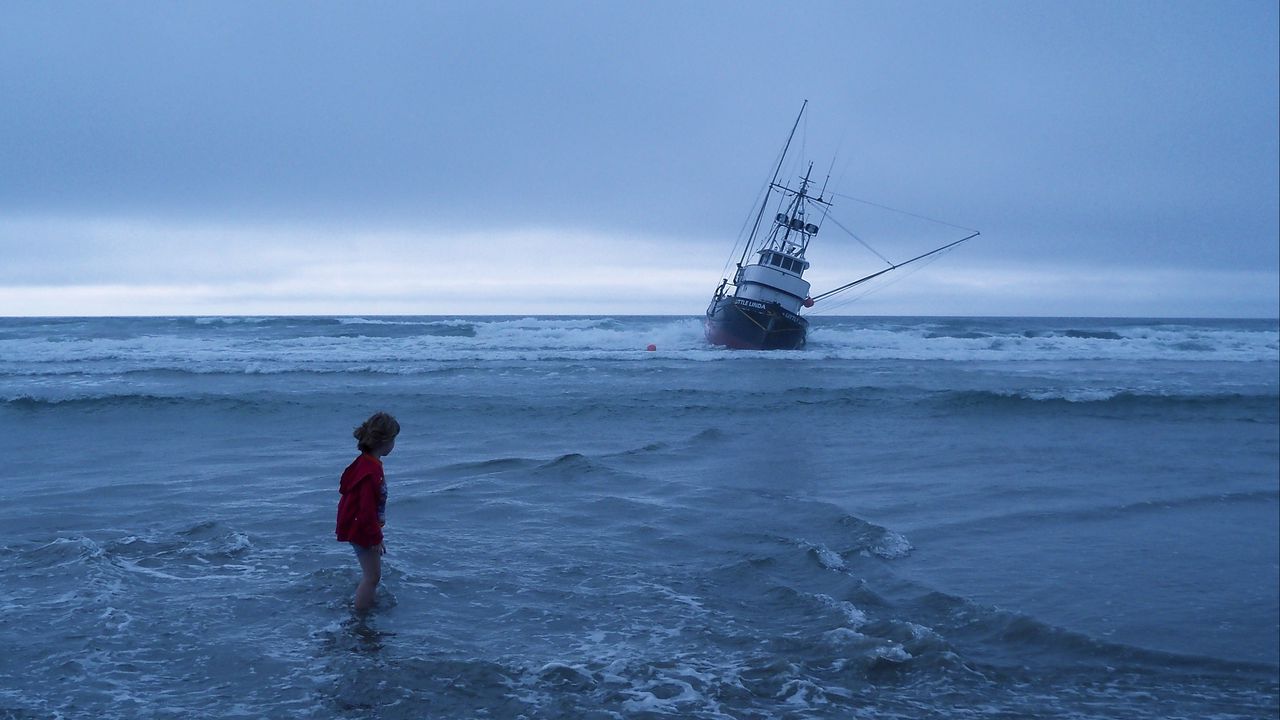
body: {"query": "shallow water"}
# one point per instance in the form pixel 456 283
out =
pixel 914 517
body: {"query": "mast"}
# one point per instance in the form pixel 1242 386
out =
pixel 772 183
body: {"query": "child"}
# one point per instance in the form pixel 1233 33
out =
pixel 362 511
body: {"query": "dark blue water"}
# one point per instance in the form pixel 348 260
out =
pixel 912 518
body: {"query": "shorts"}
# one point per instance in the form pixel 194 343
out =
pixel 362 550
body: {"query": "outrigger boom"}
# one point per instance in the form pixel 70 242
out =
pixel 891 268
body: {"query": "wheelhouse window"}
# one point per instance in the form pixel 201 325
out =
pixel 785 262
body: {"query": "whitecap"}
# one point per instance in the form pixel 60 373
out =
pixel 892 546
pixel 892 652
pixel 801 692
pixel 843 636
pixel 674 693
pixel 826 557
pixel 853 616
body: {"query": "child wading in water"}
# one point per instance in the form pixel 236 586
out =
pixel 362 511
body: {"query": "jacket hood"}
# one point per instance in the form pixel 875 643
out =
pixel 357 472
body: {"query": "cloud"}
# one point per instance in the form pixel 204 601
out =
pixel 131 266
pixel 574 157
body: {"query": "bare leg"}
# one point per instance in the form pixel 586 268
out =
pixel 371 574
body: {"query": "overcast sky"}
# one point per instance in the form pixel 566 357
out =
pixel 1120 158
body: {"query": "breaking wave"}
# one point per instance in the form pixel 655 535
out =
pixel 1105 397
pixel 412 345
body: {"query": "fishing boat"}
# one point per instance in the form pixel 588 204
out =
pixel 759 309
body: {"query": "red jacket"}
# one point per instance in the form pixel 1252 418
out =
pixel 364 497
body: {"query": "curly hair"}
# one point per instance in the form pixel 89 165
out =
pixel 375 432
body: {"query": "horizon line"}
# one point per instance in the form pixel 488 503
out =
pixel 1274 318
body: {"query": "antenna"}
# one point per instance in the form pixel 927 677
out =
pixel 823 194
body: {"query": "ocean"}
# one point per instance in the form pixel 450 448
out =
pixel 910 518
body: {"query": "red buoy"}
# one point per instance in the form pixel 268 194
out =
pixel 651 347
pixel 808 302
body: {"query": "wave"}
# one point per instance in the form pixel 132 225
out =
pixel 1257 407
pixel 233 320
pixel 266 345
pixel 206 550
pixel 918 636
pixel 567 466
pixel 1104 397
pixel 589 637
pixel 1004 639
pixel 1006 341
pixel 29 403
pixel 575 466
pixel 1087 513
pixel 921 631
pixel 1083 334
pixel 863 677
pixel 483 467
pixel 163 371
pixel 874 541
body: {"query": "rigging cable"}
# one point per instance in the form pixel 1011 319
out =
pixel 893 267
pixel 785 147
pixel 826 310
pixel 904 212
pixel 853 235
pixel 724 271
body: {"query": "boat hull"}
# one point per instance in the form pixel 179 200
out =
pixel 753 325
